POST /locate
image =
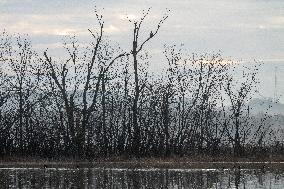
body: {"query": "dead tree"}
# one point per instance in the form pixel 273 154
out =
pixel 137 47
pixel 90 81
pixel 18 56
pixel 239 91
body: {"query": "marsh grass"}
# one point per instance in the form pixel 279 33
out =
pixel 197 162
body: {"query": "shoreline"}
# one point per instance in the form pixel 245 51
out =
pixel 140 164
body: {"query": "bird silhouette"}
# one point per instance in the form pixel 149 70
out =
pixel 151 34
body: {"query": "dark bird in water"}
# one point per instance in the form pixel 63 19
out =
pixel 151 34
pixel 44 166
pixel 263 168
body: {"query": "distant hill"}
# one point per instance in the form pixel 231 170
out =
pixel 264 105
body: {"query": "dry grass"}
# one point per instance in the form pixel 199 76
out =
pixel 198 162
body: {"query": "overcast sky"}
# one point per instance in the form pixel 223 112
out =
pixel 240 29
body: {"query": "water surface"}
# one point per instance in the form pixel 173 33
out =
pixel 140 178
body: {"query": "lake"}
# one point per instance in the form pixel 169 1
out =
pixel 140 178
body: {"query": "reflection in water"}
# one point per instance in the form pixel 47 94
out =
pixel 117 178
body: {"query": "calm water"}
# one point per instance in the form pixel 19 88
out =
pixel 149 178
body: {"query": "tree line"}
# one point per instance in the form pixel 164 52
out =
pixel 102 101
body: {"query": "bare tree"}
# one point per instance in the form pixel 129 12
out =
pixel 96 60
pixel 239 92
pixel 136 49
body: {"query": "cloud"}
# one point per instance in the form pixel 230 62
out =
pixel 232 26
pixel 128 17
pixel 59 24
pixel 272 60
pixel 111 29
